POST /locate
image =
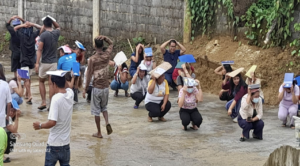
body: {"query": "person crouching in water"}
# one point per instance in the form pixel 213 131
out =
pixel 251 113
pixel 237 88
pixel 188 97
pixel 120 79
pixel 288 97
pixel 150 64
pixel 139 84
pixel 12 123
pixel 157 99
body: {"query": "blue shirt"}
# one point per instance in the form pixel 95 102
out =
pixel 172 59
pixel 66 62
pixel 133 65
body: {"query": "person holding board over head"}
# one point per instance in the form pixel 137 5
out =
pixel 288 97
pixel 251 113
pixel 252 79
pixel 223 70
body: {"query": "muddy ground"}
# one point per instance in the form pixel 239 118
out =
pixel 136 142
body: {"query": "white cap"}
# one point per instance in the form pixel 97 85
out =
pixel 65 49
pixel 142 67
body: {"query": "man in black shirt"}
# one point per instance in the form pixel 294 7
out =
pixel 27 44
pixel 14 45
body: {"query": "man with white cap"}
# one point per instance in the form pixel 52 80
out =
pixel 14 45
pixel 139 84
pixel 47 54
pixel 59 122
pixel 66 59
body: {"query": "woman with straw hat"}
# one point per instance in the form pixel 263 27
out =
pixel 251 113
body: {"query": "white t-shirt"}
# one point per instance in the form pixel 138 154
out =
pixel 4 100
pixel 158 94
pixel 61 111
pixel 12 84
pixel 140 85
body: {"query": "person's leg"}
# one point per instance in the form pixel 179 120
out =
pixel 196 117
pixel 103 103
pixel 154 109
pixel 138 97
pixel 258 129
pixel 42 90
pixel 51 156
pixel 167 109
pixel 282 114
pixel 246 126
pixel 224 96
pixel 114 85
pixel 125 86
pixel 185 117
pixel 17 98
pixel 292 111
pixel 95 110
pixel 28 90
pixel 236 109
pixel 64 156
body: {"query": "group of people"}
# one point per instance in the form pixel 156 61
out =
pixel 150 82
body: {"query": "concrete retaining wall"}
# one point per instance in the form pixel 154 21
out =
pixel 284 156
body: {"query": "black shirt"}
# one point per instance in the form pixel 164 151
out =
pixel 14 41
pixel 28 51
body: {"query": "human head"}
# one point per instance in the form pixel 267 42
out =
pixel 61 52
pixel 47 22
pixel 14 108
pixel 288 90
pixel 141 51
pixel 254 95
pixel 98 43
pixel 227 68
pixel 148 58
pixel 237 82
pixel 68 76
pixel 2 76
pixel 16 22
pixel 190 84
pixel 79 47
pixel 161 79
pixel 142 71
pixel 58 83
pixel 172 46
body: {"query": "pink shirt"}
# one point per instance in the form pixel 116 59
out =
pixel 12 84
pixel 189 100
pixel 287 97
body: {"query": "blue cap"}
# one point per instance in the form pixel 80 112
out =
pixel 15 104
pixel 79 45
pixel 16 22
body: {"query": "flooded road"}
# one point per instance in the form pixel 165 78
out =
pixel 136 142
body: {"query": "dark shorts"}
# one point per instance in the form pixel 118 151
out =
pixel 57 153
pixel 15 61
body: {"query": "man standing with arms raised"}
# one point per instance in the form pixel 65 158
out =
pixel 47 51
pixel 98 67
pixel 171 56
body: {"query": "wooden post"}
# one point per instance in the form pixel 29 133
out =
pixel 96 18
pixel 187 23
pixel 20 9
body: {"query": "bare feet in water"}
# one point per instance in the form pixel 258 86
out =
pixel 97 135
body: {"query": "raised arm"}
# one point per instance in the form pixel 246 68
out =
pixel 163 46
pixel 199 95
pixel 20 26
pixel 281 94
pixel 56 25
pixel 135 76
pixel 218 70
pixel 12 18
pixel 38 56
pixel 182 48
pixel 136 57
pixel 19 90
pixel 152 85
pixel 295 97
pixel 20 18
pixel 89 73
pixel 182 94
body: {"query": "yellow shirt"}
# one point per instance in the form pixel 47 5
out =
pixel 159 92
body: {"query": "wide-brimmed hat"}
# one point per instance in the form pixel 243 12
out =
pixel 251 70
pixel 236 72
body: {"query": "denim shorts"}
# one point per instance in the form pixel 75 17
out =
pixel 57 153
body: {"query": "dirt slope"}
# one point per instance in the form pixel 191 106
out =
pixel 272 63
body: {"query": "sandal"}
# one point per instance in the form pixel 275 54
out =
pixel 283 125
pixel 29 101
pixel 255 137
pixel 7 160
pixel 127 94
pixel 116 93
pixel 242 139
pixel 42 107
pixel 292 126
pixel 108 129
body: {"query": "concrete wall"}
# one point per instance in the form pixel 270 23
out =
pixel 8 8
pixel 284 156
pixel 162 19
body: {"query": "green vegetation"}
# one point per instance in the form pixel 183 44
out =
pixel 138 40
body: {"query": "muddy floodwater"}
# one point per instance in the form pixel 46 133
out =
pixel 136 142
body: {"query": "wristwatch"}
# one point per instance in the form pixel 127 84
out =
pixel 40 125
